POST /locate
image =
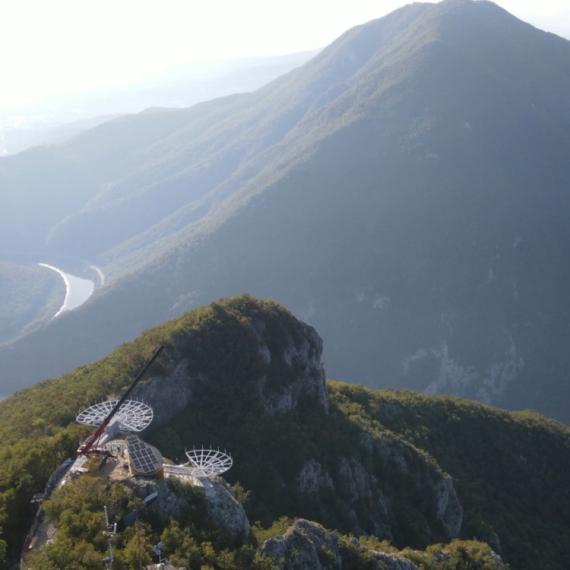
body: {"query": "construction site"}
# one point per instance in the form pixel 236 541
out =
pixel 116 452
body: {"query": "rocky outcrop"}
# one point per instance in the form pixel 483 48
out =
pixel 393 562
pixel 168 395
pixel 225 511
pixel 313 478
pixel 370 501
pixel 449 510
pixel 284 352
pixel 308 383
pixel 308 546
pixel 173 501
pixel 305 545
pixel 358 486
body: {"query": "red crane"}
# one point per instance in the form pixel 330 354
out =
pixel 85 448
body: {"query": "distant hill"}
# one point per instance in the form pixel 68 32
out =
pixel 404 192
pixel 29 295
pixel 59 118
pixel 410 469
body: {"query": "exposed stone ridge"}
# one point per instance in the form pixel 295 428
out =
pixel 308 381
pixel 308 546
pixel 370 504
pixel 290 375
pixel 224 510
pixel 169 502
pixel 304 545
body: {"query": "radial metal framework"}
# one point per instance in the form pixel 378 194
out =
pixel 132 415
pixel 205 462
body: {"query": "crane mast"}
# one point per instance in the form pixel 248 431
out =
pixel 91 440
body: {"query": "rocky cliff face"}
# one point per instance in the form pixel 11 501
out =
pixel 307 545
pixel 224 510
pixel 370 500
pixel 303 357
pixel 285 375
pixel 289 372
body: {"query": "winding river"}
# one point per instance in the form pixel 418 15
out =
pixel 77 290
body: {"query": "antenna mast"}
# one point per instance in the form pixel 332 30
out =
pixel 110 532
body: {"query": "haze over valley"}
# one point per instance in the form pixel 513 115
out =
pixel 404 191
pixel 329 240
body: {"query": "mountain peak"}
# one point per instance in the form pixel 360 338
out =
pixel 403 191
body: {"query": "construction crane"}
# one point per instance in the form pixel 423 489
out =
pixel 88 444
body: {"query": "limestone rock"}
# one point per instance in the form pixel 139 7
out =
pixel 312 477
pixel 225 511
pixel 394 562
pixel 308 546
pixel 305 545
pixel 303 356
pixel 449 510
pixel 171 500
pixel 370 502
pixel 290 375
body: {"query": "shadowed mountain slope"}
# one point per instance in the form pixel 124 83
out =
pixel 246 375
pixel 405 192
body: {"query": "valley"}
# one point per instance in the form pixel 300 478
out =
pixel 353 262
pixel 405 196
pixel 77 289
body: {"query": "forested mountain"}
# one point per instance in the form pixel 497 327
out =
pixel 405 192
pixel 59 118
pixel 28 295
pixel 403 472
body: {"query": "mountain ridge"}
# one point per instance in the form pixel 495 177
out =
pixel 411 468
pixel 409 202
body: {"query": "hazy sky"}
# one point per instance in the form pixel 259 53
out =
pixel 54 46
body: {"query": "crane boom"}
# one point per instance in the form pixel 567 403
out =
pixel 90 441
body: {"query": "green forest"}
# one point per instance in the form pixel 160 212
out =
pixel 29 296
pixel 509 469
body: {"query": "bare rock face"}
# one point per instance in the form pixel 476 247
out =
pixel 171 501
pixel 283 353
pixel 369 500
pixel 449 510
pixel 308 546
pixel 313 478
pixel 309 381
pixel 224 510
pixel 168 395
pixel 357 485
pixel 305 545
pixel 394 562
